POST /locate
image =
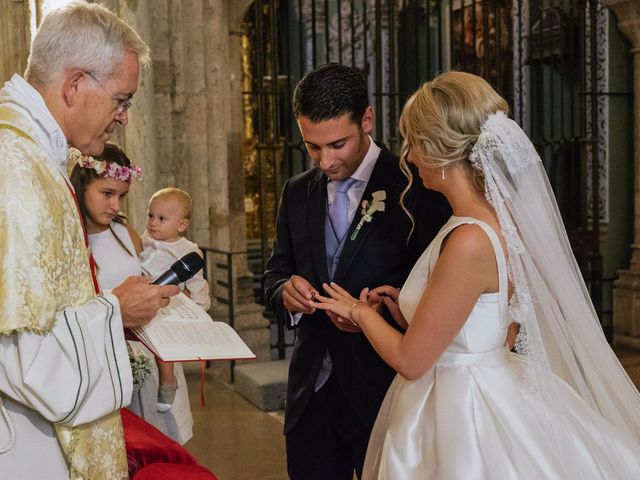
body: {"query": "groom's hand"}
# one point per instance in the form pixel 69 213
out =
pixel 296 295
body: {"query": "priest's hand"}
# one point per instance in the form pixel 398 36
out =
pixel 140 300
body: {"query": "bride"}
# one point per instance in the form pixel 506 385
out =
pixel 462 406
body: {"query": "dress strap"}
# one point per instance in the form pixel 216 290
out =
pixel 503 278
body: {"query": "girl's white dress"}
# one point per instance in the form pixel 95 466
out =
pixel 465 417
pixel 114 266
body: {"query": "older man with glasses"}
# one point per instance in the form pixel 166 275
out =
pixel 124 104
pixel 64 367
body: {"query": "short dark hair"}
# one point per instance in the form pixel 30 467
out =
pixel 329 92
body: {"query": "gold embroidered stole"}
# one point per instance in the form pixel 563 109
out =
pixel 45 268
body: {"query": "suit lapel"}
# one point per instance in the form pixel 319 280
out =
pixel 317 197
pixel 381 179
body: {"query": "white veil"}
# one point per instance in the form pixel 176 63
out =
pixel 560 331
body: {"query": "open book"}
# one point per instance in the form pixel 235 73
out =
pixel 182 332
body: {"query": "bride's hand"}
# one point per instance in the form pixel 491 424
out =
pixel 343 324
pixel 389 297
pixel 339 301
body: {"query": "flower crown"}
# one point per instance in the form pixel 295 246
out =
pixel 106 169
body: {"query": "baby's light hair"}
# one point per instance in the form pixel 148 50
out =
pixel 172 193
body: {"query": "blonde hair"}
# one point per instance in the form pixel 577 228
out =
pixel 441 122
pixel 182 197
pixel 82 35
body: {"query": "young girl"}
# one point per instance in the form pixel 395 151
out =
pixel 101 184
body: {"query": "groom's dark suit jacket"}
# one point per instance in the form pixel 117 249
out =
pixel 378 255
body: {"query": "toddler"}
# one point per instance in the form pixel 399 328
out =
pixel 169 214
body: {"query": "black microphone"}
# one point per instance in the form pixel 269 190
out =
pixel 182 270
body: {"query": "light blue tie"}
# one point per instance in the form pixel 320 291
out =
pixel 337 223
pixel 335 233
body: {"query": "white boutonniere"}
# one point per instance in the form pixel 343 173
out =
pixel 369 208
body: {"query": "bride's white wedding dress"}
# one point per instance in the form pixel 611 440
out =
pixel 466 418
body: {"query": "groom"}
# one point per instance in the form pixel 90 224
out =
pixel 336 380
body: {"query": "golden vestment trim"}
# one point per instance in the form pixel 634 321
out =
pixel 44 268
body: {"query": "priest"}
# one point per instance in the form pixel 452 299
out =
pixel 64 367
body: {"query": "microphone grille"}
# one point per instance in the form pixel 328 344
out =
pixel 188 266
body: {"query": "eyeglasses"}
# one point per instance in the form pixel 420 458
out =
pixel 124 104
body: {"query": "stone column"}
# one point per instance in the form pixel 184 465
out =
pixel 15 37
pixel 197 130
pixel 138 138
pixel 186 131
pixel 626 291
pixel 161 43
pixel 226 176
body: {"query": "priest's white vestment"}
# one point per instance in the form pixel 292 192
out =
pixel 64 367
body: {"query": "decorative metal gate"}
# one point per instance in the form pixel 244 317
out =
pixel 559 78
pixel 542 55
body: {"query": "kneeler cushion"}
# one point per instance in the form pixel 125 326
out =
pixel 147 445
pixel 174 471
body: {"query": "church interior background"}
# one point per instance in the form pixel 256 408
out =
pixel 213 113
pixel 213 116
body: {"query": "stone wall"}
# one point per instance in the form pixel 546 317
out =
pixel 626 293
pixel 15 37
